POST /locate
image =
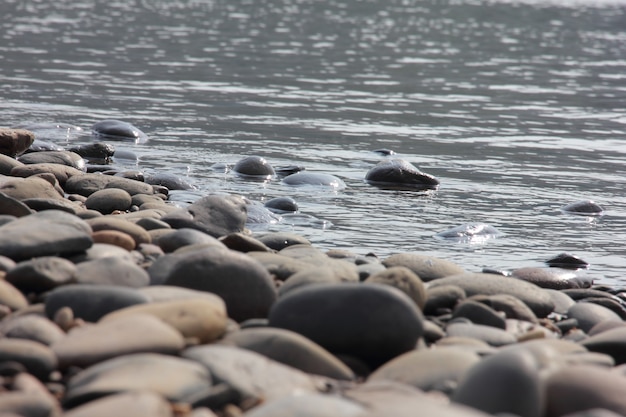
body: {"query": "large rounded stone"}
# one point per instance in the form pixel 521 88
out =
pixel 314 179
pixel 280 240
pixel 88 184
pixel 41 274
pixel 611 342
pixel 554 278
pixel 10 206
pixel 185 237
pixel 66 158
pixel 280 266
pixel 399 174
pixel 372 322
pixel 403 279
pixel 92 302
pixel 244 284
pixel 176 379
pixel 216 215
pixel 254 167
pixel 507 382
pixel 39 360
pixel 31 327
pixel 127 404
pixel 31 187
pixel 109 200
pixel 429 370
pixel 112 271
pixel 15 141
pixel 291 349
pixel 49 232
pixel 479 313
pixel 426 267
pixel 138 233
pixel 490 284
pixel 590 314
pixel 112 129
pixel 199 318
pixel 139 333
pixel 7 163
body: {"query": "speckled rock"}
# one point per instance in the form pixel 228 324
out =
pixel 291 349
pixel 246 287
pixel 490 284
pixel 92 302
pixel 186 379
pixel 109 200
pixel 216 215
pixel 427 268
pixel 15 141
pixel 38 359
pixel 45 233
pixel 403 279
pixel 41 274
pixel 126 404
pixel 381 323
pixel 200 318
pixel 112 271
pixel 139 333
pixel 429 370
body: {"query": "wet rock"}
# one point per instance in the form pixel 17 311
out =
pixel 185 381
pixel 111 129
pixel 15 141
pixel 92 302
pixel 89 183
pixel 138 333
pixel 10 206
pixel 281 240
pixel 49 232
pixel 66 158
pixel 429 370
pixel 216 215
pixel 291 349
pixel 489 284
pixel 109 200
pixel 479 313
pixel 315 179
pixel 282 205
pixel 39 360
pixel 243 283
pixel 127 404
pixel 203 319
pixel 427 268
pixel 31 187
pixel 399 174
pixel 97 150
pixel 567 261
pixel 112 271
pixel 403 279
pixel 381 323
pixel 186 237
pixel 470 233
pixel 583 208
pixel 254 167
pixel 41 274
pixel 589 314
pixel 553 278
pixel 61 172
pixel 250 375
pixel 170 181
pixel 507 382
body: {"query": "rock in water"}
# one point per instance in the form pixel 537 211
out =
pixel 254 167
pixel 583 208
pixel 470 233
pixel 400 174
pixel 372 322
pixel 118 130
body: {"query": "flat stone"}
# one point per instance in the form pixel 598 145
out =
pixel 31 327
pixel 488 334
pixel 15 141
pixel 216 215
pixel 116 238
pixel 251 375
pixel 13 207
pixel 427 268
pixel 372 322
pixel 554 278
pixel 291 349
pixel 11 296
pixel 280 240
pixel 89 183
pixel 479 313
pixel 109 200
pixel 185 237
pixel 490 284
pixel 589 314
pixel 31 187
pixel 429 370
pixel 92 302
pixel 39 360
pixel 507 382
pixel 41 274
pixel 138 233
pixel 185 381
pixel 245 286
pixel 199 318
pixel 61 172
pixel 308 405
pixel 112 271
pixel 403 279
pixel 66 158
pixel 127 404
pixel 40 204
pixel 137 333
pixel 49 232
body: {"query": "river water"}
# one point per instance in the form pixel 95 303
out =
pixel 518 107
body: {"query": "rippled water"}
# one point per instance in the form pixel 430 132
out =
pixel 518 107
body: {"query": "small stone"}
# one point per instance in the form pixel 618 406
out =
pixel 589 314
pixel 109 200
pixel 399 174
pixel 139 234
pixel 479 313
pixel 114 237
pixel 186 237
pixel 10 206
pixel 31 327
pixel 31 187
pixel 488 334
pixel 89 183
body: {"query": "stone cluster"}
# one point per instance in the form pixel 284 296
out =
pixel 113 301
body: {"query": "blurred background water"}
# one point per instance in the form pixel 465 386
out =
pixel 518 107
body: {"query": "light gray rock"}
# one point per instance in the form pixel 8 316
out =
pixel 41 274
pixel 112 271
pixel 109 200
pixel 427 268
pixel 127 404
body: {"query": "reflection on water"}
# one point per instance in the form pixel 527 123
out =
pixel 517 106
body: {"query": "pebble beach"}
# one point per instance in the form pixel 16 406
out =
pixel 114 301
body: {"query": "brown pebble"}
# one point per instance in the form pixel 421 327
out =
pixel 114 237
pixel 64 318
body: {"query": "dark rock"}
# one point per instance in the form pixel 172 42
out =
pixel 479 313
pixel 109 200
pixel 610 342
pixel 583 208
pixel 399 174
pixel 254 167
pixel 280 240
pixel 403 279
pixel 15 141
pixel 66 158
pixel 186 237
pixel 97 150
pixel 553 278
pixel 10 206
pixel 111 129
pixel 380 323
pixel 282 205
pixel 38 359
pixel 315 179
pixel 589 314
pixel 511 306
pixel 112 271
pixel 41 274
pixel 7 164
pixel 89 183
pixel 427 268
pixel 243 243
pixel 567 261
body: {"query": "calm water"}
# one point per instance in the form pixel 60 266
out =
pixel 518 107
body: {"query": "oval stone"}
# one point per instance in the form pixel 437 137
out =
pixel 426 267
pixel 403 279
pixel 39 360
pixel 553 278
pixel 31 327
pixel 254 167
pixel 109 200
pixel 315 179
pixel 372 322
pixel 41 274
pixel 15 141
pixel 399 174
pixel 112 129
pixel 112 271
pixel 127 404
pixel 583 208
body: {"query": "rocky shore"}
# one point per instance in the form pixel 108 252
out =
pixel 113 301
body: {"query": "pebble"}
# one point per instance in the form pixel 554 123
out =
pixel 254 167
pixel 179 238
pixel 89 183
pixel 491 335
pixel 403 279
pixel 381 324
pixel 399 174
pixel 116 238
pixel 117 130
pixel 109 200
pixel 66 158
pixel 126 404
pixel 61 172
pixel 31 327
pixel 112 271
pixel 427 268
pixel 554 278
pixel 10 206
pixel 139 234
pixel 41 274
pixel 38 359
pixel 589 314
pixel 15 141
pixel 479 313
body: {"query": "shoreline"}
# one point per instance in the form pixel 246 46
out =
pixel 115 301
